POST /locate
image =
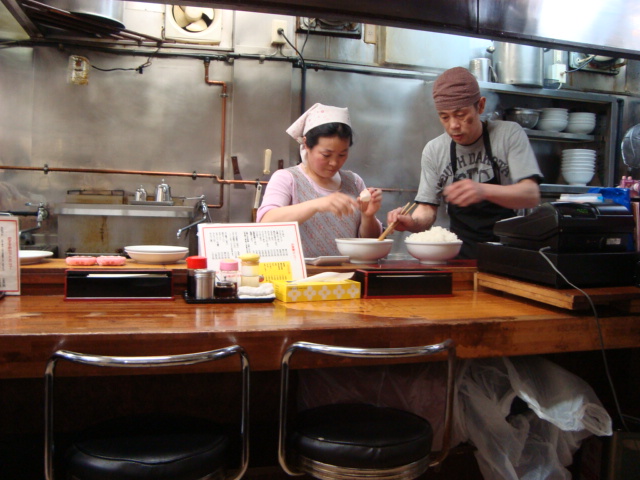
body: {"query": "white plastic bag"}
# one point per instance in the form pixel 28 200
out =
pixel 538 444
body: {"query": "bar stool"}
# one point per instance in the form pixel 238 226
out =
pixel 153 446
pixel 360 441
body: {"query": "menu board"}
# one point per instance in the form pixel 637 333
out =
pixel 9 256
pixel 278 244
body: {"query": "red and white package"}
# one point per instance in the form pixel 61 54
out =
pixel 111 260
pixel 80 261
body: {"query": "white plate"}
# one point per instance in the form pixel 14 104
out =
pixel 156 254
pixel 27 257
pixel 156 249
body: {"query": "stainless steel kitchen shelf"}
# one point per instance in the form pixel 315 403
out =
pixel 559 136
pixel 124 210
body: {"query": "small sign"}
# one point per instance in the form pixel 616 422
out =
pixel 278 244
pixel 9 256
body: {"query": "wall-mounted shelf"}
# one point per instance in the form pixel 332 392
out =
pixel 559 136
pixel 548 146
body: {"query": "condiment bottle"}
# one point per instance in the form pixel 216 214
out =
pixel 225 289
pixel 204 280
pixel 250 270
pixel 229 272
pixel 194 263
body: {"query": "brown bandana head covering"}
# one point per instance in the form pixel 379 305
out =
pixel 455 88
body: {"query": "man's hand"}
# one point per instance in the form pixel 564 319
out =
pixel 464 193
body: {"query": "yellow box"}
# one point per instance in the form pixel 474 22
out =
pixel 316 291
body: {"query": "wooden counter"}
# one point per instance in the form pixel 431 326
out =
pixel 47 278
pixel 483 325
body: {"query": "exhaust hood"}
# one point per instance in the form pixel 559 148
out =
pixel 610 28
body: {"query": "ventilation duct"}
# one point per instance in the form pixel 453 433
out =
pixel 109 12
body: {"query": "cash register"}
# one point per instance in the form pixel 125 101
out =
pixel 591 244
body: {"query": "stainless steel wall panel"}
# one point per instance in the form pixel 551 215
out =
pixel 261 114
pixel 392 122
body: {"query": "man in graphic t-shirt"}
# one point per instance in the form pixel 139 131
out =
pixel 483 170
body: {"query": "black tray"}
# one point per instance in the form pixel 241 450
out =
pixel 188 299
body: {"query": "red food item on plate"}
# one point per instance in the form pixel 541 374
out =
pixel 111 260
pixel 81 261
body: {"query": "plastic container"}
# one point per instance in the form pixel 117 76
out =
pixel 229 272
pixel 250 270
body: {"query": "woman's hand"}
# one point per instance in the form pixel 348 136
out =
pixel 370 207
pixel 337 203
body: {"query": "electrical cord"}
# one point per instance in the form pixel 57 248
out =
pixel 281 32
pixel 585 61
pixel 602 348
pixel 138 69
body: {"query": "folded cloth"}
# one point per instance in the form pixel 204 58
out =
pixel 263 291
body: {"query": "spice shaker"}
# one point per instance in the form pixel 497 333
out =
pixel 194 263
pixel 204 281
pixel 250 270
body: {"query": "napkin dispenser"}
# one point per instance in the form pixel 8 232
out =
pixel 94 284
pixel 404 283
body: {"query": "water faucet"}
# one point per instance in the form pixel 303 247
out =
pixel 200 207
pixel 41 214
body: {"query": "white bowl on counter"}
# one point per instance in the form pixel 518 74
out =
pixel 29 257
pixel 364 250
pixel 156 254
pixel 435 252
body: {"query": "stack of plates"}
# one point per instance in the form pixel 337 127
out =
pixel 553 119
pixel 581 122
pixel 157 254
pixel 578 165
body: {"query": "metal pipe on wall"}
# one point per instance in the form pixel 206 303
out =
pixel 223 127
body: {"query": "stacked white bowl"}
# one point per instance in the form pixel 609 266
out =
pixel 578 165
pixel 581 122
pixel 553 119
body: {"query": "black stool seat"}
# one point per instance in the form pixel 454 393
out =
pixel 361 436
pixel 154 447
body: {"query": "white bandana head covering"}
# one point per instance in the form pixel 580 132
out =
pixel 317 115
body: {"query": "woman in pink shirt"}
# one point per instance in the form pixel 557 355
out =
pixel 317 193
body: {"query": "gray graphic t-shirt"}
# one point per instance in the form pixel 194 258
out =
pixel 512 153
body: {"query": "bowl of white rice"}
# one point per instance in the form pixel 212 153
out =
pixel 364 250
pixel 433 246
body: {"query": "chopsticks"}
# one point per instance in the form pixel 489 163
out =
pixel 405 211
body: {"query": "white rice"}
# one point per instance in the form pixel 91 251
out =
pixel 434 235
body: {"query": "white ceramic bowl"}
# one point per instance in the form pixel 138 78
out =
pixel 551 125
pixel 577 128
pixel 583 115
pixel 156 254
pixel 579 162
pixel 571 151
pixel 578 171
pixel 577 178
pixel 364 250
pixel 578 154
pixel 435 252
pixel 555 111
